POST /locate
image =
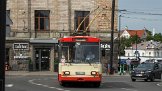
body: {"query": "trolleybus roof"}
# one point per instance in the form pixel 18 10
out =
pixel 79 39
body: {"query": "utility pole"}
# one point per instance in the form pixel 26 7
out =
pixel 2 43
pixel 119 48
pixel 136 45
pixel 112 38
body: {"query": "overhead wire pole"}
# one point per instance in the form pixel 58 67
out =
pixel 136 45
pixel 119 31
pixel 2 43
pixel 112 37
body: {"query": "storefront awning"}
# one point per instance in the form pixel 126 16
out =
pixel 44 41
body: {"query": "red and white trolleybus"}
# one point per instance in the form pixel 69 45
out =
pixel 79 60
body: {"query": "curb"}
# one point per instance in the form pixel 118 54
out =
pixel 48 73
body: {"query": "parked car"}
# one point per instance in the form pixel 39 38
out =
pixel 146 71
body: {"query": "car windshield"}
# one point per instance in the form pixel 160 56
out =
pixel 146 65
pixel 80 52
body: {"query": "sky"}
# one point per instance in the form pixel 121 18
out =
pixel 141 14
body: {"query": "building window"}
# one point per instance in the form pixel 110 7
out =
pixel 149 53
pixel 157 54
pixel 42 20
pixel 143 54
pixel 79 17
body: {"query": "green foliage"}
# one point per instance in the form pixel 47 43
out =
pixel 124 42
pixel 158 37
pixel 149 33
pixel 149 37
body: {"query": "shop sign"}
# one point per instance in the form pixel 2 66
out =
pixel 21 46
pixel 105 46
pixel 21 57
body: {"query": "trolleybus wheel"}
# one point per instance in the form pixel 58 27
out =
pixel 97 84
pixel 62 83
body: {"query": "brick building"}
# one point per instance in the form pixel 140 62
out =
pixel 37 25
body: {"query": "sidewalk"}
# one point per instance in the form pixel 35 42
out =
pixel 44 73
pixel 28 73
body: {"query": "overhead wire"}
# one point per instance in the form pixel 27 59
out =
pixel 127 12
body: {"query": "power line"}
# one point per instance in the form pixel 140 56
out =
pixel 140 12
pixel 145 19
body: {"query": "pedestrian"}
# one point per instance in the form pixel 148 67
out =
pixel 108 68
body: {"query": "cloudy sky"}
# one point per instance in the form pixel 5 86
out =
pixel 141 14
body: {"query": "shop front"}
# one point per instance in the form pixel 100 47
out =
pixel 43 54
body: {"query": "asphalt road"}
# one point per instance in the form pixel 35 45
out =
pixel 50 83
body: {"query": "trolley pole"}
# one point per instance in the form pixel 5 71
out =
pixel 2 43
pixel 112 38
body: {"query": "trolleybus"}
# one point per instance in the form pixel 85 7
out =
pixel 79 60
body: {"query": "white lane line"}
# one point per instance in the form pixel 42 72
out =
pixel 52 87
pixel 32 82
pixel 9 85
pixel 45 86
pixel 160 85
pixel 59 89
pixel 129 89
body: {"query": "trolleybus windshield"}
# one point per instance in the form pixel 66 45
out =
pixel 80 52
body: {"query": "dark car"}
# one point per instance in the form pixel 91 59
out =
pixel 146 71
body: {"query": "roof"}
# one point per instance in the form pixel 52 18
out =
pixel 140 33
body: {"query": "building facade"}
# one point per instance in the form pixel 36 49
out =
pixel 38 24
pixel 145 50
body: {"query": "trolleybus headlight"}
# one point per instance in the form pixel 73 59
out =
pixel 66 72
pixel 93 72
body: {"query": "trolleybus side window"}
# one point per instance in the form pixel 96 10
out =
pixel 65 53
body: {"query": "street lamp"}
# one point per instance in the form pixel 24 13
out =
pixel 119 31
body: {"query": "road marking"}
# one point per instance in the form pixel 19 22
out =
pixel 45 86
pixel 59 89
pixel 159 84
pixel 52 87
pixel 32 82
pixel 129 89
pixel 9 85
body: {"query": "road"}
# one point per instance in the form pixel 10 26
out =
pixel 50 83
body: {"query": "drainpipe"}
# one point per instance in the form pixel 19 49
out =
pixel 69 16
pixel 29 18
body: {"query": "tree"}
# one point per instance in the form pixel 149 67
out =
pixel 149 35
pixel 158 37
pixel 123 44
pixel 127 42
pixel 135 39
pixel 149 32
